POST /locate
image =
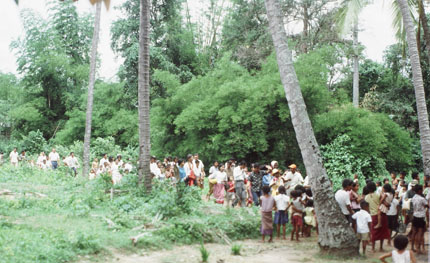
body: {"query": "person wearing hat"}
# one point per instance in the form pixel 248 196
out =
pixel 407 208
pixel 276 181
pixel 292 178
pixel 415 177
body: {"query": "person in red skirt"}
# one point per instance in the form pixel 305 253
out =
pixel 383 232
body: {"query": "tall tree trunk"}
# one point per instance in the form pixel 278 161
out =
pixel 417 79
pixel 425 25
pixel 356 78
pixel 305 27
pixel 143 96
pixel 92 79
pixel 336 237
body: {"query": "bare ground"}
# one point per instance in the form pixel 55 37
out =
pixel 252 251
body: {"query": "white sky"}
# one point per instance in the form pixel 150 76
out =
pixel 376 34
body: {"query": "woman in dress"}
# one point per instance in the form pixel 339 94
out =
pixel 219 188
pixel 382 232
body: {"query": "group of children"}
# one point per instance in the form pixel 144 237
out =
pixel 115 167
pixel 298 204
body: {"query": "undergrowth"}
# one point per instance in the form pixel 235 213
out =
pixel 51 217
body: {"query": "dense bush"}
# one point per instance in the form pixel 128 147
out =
pixel 373 137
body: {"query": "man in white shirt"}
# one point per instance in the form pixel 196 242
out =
pixel 54 157
pixel 201 165
pixel 13 157
pixel 343 199
pixel 72 162
pixel 153 165
pixel 239 175
pixel 292 179
pixel 103 160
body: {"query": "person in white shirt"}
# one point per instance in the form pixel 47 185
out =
pixel 393 215
pixel 13 157
pixel 128 167
pixel 343 199
pixel 281 216
pixel 40 159
pixel 116 175
pixel 212 171
pixel 92 174
pixel 239 175
pixel 72 163
pixel 420 206
pixel 363 224
pixel 199 172
pixel 103 160
pixel 196 159
pixel 153 165
pixel 219 188
pixel 120 162
pixel 188 167
pixel 54 157
pixel 292 179
pixel 44 165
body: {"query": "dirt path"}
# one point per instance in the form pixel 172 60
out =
pixel 252 251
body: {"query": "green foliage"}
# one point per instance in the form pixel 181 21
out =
pixel 249 116
pixel 204 253
pixel 373 137
pixel 340 162
pixel 235 249
pixel 52 57
pixel 34 142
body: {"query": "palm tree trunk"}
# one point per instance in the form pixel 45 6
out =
pixel 356 78
pixel 143 96
pixel 92 79
pixel 336 237
pixel 425 25
pixel 417 79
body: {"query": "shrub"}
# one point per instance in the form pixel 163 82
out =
pixel 204 253
pixel 372 136
pixel 34 142
pixel 235 249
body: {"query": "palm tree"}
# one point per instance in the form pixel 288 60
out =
pixel 92 78
pixel 348 15
pixel 417 79
pixel 143 96
pixel 335 235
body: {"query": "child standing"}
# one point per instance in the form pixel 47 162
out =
pixel 363 225
pixel 310 220
pixel 297 213
pixel 267 204
pixel 229 187
pixel 281 215
pixel 393 215
pixel 400 255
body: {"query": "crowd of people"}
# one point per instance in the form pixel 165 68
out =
pixel 232 184
pixel 115 167
pixel 373 210
pixel 385 207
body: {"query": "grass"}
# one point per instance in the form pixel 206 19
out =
pixel 235 249
pixel 52 217
pixel 204 253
